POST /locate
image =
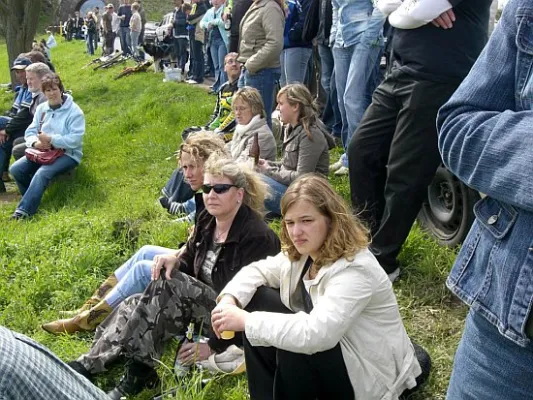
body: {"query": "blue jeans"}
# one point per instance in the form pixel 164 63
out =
pixel 134 37
pixel 277 190
pixel 356 76
pixel 32 180
pixel 489 366
pixel 294 65
pixel 264 81
pixel 135 274
pixel 90 43
pixel 196 65
pixel 218 50
pixel 125 40
pixel 331 116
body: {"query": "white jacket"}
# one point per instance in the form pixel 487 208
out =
pixel 353 303
pixel 243 137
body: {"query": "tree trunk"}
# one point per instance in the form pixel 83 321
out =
pixel 19 19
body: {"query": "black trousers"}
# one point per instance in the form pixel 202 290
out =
pixel 393 157
pixel 279 374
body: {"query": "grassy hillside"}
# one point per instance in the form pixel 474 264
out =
pixel 87 226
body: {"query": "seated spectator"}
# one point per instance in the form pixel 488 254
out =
pixel 250 115
pixel 30 371
pixel 229 234
pixel 134 275
pixel 58 123
pixel 21 105
pixel 321 316
pixel 223 120
pixel 37 56
pixel 261 43
pixel 16 127
pixel 305 145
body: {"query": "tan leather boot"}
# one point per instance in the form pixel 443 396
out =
pixel 87 320
pixel 97 296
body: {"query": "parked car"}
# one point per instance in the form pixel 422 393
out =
pixel 447 214
pixel 164 25
pixel 149 32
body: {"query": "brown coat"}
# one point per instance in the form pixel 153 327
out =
pixel 261 33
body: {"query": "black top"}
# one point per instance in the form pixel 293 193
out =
pixel 125 9
pixel 444 55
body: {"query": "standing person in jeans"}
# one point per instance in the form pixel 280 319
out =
pixel 485 139
pixel 107 27
pixel 331 115
pixel 135 29
pixel 357 48
pixel 218 41
pixel 393 155
pixel 91 32
pixel 124 15
pixel 296 51
pixel 261 43
pixel 196 40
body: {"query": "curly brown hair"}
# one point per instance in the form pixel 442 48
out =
pixel 200 145
pixel 347 234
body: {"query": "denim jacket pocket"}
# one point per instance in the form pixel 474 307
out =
pixel 524 58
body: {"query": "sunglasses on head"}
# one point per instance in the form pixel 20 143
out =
pixel 219 188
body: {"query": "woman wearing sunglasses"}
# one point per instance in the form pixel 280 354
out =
pixel 229 234
pixel 136 273
pixel 321 316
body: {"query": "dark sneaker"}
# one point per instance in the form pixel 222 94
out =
pixel 137 378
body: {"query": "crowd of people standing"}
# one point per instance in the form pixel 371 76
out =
pixel 321 293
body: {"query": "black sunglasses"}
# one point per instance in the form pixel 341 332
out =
pixel 219 188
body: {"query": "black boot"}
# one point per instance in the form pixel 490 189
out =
pixel 138 377
pixel 80 369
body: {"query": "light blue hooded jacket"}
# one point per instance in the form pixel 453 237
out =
pixel 66 126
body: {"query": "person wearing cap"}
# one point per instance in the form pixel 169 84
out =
pixel 22 102
pixel 109 35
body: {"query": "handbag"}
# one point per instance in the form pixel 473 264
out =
pixel 43 157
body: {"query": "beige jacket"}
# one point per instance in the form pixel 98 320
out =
pixel 301 155
pixel 261 36
pixel 243 138
pixel 353 303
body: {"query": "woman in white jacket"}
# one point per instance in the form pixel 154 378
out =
pixel 337 331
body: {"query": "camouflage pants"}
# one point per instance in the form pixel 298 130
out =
pixel 140 326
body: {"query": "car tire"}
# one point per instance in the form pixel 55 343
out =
pixel 447 214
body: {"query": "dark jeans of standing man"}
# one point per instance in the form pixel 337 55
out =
pixel 197 58
pixel 125 39
pixel 393 157
pixel 331 116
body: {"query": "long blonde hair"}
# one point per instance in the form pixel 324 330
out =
pixel 347 235
pixel 243 177
pixel 298 94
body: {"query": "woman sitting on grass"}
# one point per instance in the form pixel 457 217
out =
pixel 229 234
pixel 321 316
pixel 305 145
pixel 135 274
pixel 250 115
pixel 57 124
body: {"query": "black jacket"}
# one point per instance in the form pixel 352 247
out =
pixel 237 13
pixel 249 239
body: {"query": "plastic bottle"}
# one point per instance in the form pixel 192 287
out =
pixel 180 369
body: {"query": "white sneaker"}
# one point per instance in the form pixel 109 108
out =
pixel 336 166
pixel 342 171
pixel 394 275
pixel 192 82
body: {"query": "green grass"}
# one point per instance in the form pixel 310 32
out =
pixel 87 226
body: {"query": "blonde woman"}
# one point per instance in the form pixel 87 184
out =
pixel 135 29
pixel 228 235
pixel 135 274
pixel 321 316
pixel 250 115
pixel 305 144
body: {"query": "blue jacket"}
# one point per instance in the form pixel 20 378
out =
pixel 294 24
pixel 216 22
pixel 66 125
pixel 486 139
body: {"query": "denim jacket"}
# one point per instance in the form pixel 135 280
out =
pixel 486 139
pixel 354 22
